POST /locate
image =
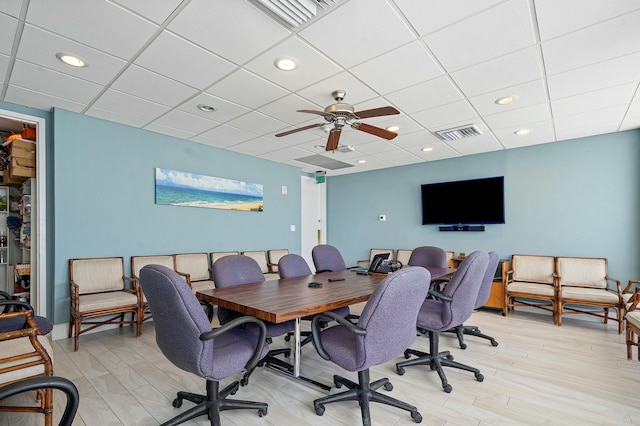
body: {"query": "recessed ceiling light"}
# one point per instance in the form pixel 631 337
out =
pixel 393 128
pixel 427 149
pixel 319 146
pixel 522 132
pixel 362 161
pixel 285 63
pixel 73 60
pixel 507 100
pixel 206 108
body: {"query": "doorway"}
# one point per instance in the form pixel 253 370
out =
pixel 313 216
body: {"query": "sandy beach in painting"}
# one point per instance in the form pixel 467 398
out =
pixel 236 206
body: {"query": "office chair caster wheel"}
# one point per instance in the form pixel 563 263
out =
pixel 494 343
pixel 479 377
pixel 449 357
pixel 463 346
pixel 447 388
pixel 244 381
pixel 262 412
pixel 407 355
pixel 388 387
pixel 416 417
pixel 177 403
pixel 319 410
pixel 400 371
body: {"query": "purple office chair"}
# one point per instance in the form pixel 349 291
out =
pixel 428 256
pixel 483 296
pixel 451 307
pixel 293 266
pixel 237 270
pixel 8 303
pixel 185 337
pixel 386 328
pixel 327 258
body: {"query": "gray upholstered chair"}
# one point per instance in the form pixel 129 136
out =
pixel 428 256
pixel 237 270
pixel 448 309
pixel 293 266
pixel 47 382
pixel 185 337
pixel 327 258
pixel 483 296
pixel 382 333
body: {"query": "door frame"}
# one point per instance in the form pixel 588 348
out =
pixel 313 210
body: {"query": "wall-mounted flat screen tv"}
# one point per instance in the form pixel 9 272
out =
pixel 474 201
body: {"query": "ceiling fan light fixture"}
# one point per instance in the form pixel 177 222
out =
pixel 506 100
pixel 393 128
pixel 72 60
pixel 285 63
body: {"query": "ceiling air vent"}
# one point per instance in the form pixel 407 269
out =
pixel 459 132
pixel 294 13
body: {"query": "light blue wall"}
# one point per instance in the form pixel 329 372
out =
pixel 574 198
pixel 104 198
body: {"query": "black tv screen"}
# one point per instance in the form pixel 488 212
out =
pixel 475 201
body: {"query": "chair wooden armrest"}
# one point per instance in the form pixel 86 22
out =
pixel 631 287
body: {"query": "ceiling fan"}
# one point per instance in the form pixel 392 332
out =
pixel 341 114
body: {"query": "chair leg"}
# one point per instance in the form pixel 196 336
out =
pixel 363 392
pixel 471 330
pixel 436 360
pixel 211 404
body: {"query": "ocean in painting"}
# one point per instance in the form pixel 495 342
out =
pixel 188 189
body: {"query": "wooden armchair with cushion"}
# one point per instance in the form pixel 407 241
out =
pixel 195 267
pixel 585 282
pixel 139 262
pixel 633 323
pixel 260 256
pixel 403 255
pixel 531 281
pixel 101 294
pixel 217 255
pixel 628 292
pixel 274 258
pixel 25 353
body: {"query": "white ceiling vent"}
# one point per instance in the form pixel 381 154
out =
pixel 461 132
pixel 294 13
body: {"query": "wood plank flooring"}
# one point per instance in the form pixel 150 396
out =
pixel 540 374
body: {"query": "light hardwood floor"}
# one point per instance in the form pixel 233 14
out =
pixel 540 374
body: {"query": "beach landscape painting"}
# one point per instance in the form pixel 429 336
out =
pixel 189 189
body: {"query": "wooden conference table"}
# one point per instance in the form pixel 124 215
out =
pixel 287 299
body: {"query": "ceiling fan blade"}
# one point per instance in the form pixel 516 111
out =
pixel 377 112
pixel 310 126
pixel 377 131
pixel 332 141
pixel 313 111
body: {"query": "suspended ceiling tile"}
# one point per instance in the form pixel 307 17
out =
pixel 224 110
pixel 443 115
pixel 190 123
pixel 257 146
pixel 632 117
pixel 153 87
pixel 36 48
pixel 320 93
pixel 518 116
pixel 128 105
pixel 43 101
pixel 402 67
pixel 530 93
pixel 225 135
pixel 597 100
pixel 381 31
pixel 8 27
pixel 258 123
pixel 166 130
pixel 286 109
pixel 116 31
pixel 115 117
pixel 247 89
pixel 430 94
pixel 540 132
pixel 155 10
pixel 183 61
pixel 237 31
pixel 589 123
pixel 416 139
pixel 492 33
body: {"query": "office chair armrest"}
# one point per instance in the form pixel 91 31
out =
pixel 234 323
pixel 24 305
pixel 315 330
pixel 439 296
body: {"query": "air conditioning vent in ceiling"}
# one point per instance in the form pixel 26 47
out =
pixel 294 13
pixel 461 132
